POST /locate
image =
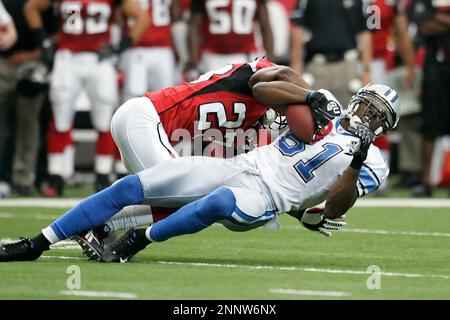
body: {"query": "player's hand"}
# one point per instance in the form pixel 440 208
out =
pixel 323 110
pixel 107 51
pixel 313 219
pixel 366 137
pixel 190 72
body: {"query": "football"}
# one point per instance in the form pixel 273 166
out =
pixel 300 120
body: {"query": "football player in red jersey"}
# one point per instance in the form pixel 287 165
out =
pixel 223 103
pixel 82 61
pixel 150 63
pixel 228 29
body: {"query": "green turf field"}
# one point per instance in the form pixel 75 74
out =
pixel 410 246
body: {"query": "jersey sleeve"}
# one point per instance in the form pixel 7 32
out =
pixel 373 172
pixel 259 64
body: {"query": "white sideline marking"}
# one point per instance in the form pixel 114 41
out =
pixel 259 267
pixel 384 232
pixel 362 203
pixel 97 294
pixel 311 292
pixel 68 245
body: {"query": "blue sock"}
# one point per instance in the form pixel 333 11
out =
pixel 195 216
pixel 100 207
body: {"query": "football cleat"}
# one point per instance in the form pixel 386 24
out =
pixel 92 242
pixel 125 248
pixel 21 250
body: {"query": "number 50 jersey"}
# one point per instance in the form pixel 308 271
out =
pixel 219 99
pixel 299 175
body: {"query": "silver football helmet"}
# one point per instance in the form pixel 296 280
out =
pixel 381 108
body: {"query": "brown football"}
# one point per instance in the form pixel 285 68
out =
pixel 300 121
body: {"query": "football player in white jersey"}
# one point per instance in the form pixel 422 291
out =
pixel 247 191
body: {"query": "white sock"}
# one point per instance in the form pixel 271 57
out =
pixel 147 234
pixel 50 235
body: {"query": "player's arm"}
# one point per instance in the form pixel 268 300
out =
pixel 132 9
pixel 279 94
pixel 178 31
pixel 262 15
pixel 282 73
pixel 194 33
pixel 32 12
pixel 405 46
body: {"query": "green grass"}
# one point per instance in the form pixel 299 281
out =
pixel 228 259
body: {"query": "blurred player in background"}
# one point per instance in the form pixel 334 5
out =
pixel 149 65
pixel 433 20
pixel 329 40
pixel 223 31
pixel 82 61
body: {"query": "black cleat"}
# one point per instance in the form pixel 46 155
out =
pixel 21 250
pixel 126 247
pixel 93 242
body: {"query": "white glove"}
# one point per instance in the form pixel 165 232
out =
pixel 313 219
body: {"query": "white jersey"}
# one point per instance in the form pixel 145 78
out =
pixel 299 175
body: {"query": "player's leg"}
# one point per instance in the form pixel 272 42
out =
pixel 143 143
pixel 238 208
pixel 134 65
pixel 162 71
pixel 140 136
pixel 65 87
pixel 173 183
pixel 90 213
pixel 213 61
pixel 102 89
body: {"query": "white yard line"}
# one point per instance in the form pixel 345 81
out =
pixel 310 292
pixel 63 258
pixel 363 203
pixel 99 294
pixel 265 267
pixel 383 232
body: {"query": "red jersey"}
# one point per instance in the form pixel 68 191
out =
pixel 158 33
pixel 219 99
pixel 389 9
pixel 85 24
pixel 229 25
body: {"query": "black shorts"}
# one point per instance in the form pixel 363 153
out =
pixel 436 99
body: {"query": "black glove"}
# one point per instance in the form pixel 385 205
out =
pixel 366 136
pixel 109 50
pixel 323 110
pixel 313 219
pixel 47 45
